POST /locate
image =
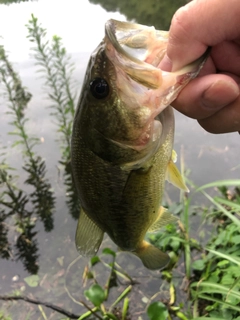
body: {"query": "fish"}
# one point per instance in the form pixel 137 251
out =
pixel 122 141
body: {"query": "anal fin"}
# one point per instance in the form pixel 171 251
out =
pixel 88 235
pixel 164 218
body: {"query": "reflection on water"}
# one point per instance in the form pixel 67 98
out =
pixel 151 12
pixel 38 203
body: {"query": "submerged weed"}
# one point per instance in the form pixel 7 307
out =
pixel 16 202
pixel 56 66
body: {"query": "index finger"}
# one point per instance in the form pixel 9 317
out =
pixel 198 25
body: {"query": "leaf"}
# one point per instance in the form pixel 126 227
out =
pixel 234 219
pixel 222 263
pixel 229 203
pixel 121 296
pixel 198 265
pixel 157 311
pixel 221 302
pixel 231 258
pixel 94 260
pixel 215 288
pixel 236 239
pixel 111 316
pixel 175 245
pixel 109 251
pixel 32 280
pixel 125 308
pixel 220 183
pixel 95 294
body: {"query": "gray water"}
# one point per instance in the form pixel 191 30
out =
pixel 208 157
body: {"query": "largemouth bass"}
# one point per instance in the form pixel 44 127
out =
pixel 122 141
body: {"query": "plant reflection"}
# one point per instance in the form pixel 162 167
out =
pixel 71 192
pixel 4 245
pixel 25 208
pixel 15 202
pixel 151 12
pixel 56 66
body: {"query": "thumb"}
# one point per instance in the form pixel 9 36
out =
pixel 205 96
pixel 198 25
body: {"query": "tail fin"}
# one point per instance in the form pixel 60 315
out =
pixel 152 257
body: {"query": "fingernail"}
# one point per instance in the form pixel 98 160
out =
pixel 165 64
pixel 220 94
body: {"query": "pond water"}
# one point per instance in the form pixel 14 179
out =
pixel 208 157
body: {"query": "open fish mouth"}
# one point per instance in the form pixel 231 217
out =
pixel 137 50
pixel 134 41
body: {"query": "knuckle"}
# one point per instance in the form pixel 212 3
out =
pixel 180 24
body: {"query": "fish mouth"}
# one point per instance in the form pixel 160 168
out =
pixel 135 52
pixel 136 49
pixel 117 33
pixel 132 40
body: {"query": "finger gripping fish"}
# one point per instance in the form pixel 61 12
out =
pixel 123 138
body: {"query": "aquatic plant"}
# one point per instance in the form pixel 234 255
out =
pixel 16 201
pixel 97 294
pixel 56 66
pixel 212 270
pixel 216 289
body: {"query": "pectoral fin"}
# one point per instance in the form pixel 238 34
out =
pixel 174 156
pixel 152 257
pixel 164 218
pixel 174 176
pixel 88 235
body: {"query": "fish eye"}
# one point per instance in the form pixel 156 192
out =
pixel 99 88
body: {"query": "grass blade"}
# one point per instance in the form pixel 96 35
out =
pixel 223 209
pixel 225 256
pixel 222 303
pixel 220 183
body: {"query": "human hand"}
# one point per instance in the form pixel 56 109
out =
pixel 213 97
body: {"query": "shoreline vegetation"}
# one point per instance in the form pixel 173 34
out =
pixel 202 280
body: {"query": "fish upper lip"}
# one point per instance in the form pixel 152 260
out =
pixel 139 70
pixel 110 33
